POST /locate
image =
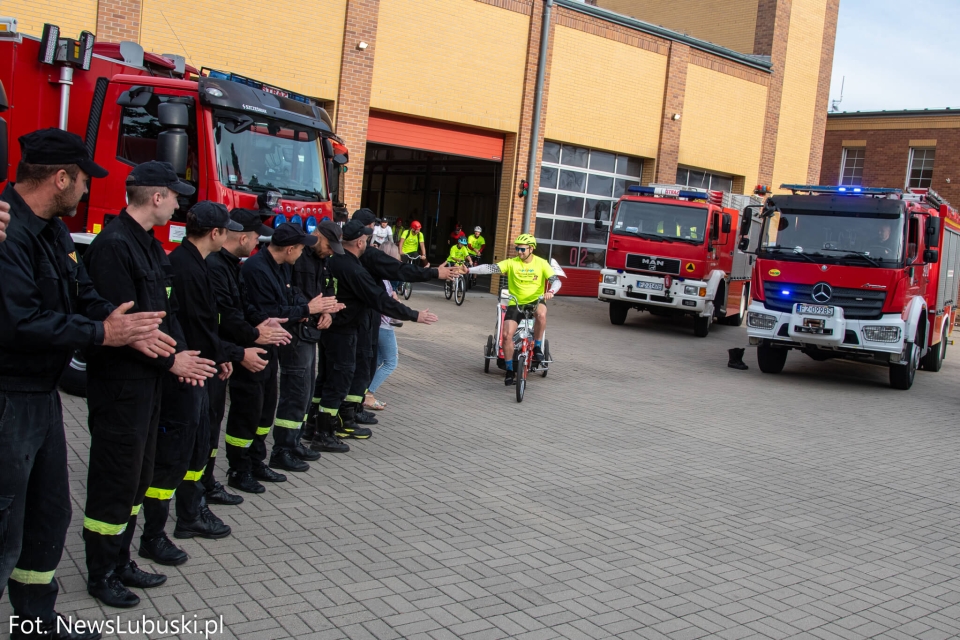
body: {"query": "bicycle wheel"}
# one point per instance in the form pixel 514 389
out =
pixel 460 291
pixel 447 289
pixel 545 366
pixel 407 290
pixel 487 354
pixel 521 374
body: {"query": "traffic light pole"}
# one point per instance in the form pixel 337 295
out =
pixel 537 110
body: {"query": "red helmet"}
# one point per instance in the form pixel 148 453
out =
pixel 414 226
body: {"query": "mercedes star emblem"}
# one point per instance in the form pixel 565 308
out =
pixel 822 292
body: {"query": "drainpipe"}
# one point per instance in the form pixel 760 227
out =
pixel 537 111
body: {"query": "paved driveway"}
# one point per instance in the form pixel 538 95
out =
pixel 641 490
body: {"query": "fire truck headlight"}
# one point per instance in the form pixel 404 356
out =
pixel 761 321
pixel 609 279
pixel 694 290
pixel 882 333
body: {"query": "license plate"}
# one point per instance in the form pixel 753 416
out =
pixel 652 286
pixel 815 310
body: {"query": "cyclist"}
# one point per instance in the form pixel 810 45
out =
pixel 459 254
pixel 476 243
pixel 412 244
pixel 456 234
pixel 528 276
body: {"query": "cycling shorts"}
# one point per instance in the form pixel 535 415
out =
pixel 513 312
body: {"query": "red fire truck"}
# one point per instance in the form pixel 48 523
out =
pixel 238 141
pixel 673 250
pixel 858 273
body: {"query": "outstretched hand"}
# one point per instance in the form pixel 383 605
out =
pixel 425 317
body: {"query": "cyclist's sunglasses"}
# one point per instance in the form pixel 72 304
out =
pixel 522 249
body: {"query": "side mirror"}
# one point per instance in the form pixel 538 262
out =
pixel 726 224
pixel 136 97
pixel 931 256
pixel 340 159
pixel 744 244
pixel 3 135
pixel 598 215
pixel 933 231
pixel 746 218
pixel 173 143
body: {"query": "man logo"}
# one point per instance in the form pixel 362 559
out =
pixel 822 292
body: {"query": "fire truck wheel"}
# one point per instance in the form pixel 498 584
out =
pixel 618 312
pixel 902 375
pixel 935 355
pixel 701 326
pixel 737 320
pixel 771 359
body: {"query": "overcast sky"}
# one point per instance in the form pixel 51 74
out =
pixel 897 54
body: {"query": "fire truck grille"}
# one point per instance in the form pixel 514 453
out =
pixel 653 264
pixel 858 304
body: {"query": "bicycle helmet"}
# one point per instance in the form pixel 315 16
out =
pixel 414 226
pixel 462 241
pixel 478 229
pixel 526 238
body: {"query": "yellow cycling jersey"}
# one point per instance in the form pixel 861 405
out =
pixel 526 281
pixel 410 242
pixel 458 254
pixel 475 243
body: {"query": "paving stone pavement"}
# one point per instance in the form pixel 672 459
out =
pixel 641 490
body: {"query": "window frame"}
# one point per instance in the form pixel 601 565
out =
pixel 712 174
pixel 843 165
pixel 910 159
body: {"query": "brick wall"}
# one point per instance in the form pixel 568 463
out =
pixel 674 93
pixel 823 89
pixel 119 20
pixel 887 150
pixel 353 99
pixel 773 25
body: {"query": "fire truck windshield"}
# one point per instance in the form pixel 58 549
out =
pixel 833 236
pixel 660 222
pixel 271 155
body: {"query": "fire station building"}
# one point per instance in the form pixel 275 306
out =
pixel 899 149
pixel 436 98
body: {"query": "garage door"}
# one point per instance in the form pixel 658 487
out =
pixel 404 131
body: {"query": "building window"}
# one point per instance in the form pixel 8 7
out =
pixel 920 173
pixel 851 171
pixel 574 181
pixel 704 180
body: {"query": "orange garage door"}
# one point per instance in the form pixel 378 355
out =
pixel 404 131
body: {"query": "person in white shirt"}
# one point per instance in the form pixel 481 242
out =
pixel 382 232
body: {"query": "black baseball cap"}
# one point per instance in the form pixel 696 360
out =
pixel 56 146
pixel 354 229
pixel 213 215
pixel 332 232
pixel 289 234
pixel 158 174
pixel 249 220
pixel 364 216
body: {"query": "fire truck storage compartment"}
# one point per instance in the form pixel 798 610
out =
pixel 949 261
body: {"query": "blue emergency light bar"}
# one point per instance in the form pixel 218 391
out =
pixel 670 193
pixel 842 191
pixel 256 84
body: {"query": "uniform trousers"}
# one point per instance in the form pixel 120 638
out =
pixel 33 471
pixel 339 366
pixel 183 444
pixel 217 404
pixel 253 405
pixel 298 367
pixel 123 419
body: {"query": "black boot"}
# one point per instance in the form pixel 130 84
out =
pixel 111 592
pixel 310 426
pixel 304 453
pixel 133 576
pixel 265 473
pixel 736 359
pixel 347 426
pixel 162 551
pixel 243 481
pixel 219 495
pixel 207 525
pixel 286 460
pixel 54 631
pixel 362 416
pixel 324 440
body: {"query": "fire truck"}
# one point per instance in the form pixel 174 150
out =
pixel 239 141
pixel 673 251
pixel 860 273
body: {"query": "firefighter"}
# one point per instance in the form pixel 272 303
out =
pixel 345 366
pixel 242 340
pixel 48 309
pixel 183 442
pixel 253 397
pixel 125 263
pixel 298 360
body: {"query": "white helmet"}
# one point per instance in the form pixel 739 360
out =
pixel 477 229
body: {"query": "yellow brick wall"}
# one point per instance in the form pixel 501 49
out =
pixel 295 44
pixel 723 124
pixel 72 17
pixel 730 23
pixel 591 104
pixel 799 103
pixel 455 60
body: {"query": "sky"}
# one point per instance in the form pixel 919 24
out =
pixel 897 54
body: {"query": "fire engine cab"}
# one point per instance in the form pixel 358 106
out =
pixel 672 250
pixel 859 273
